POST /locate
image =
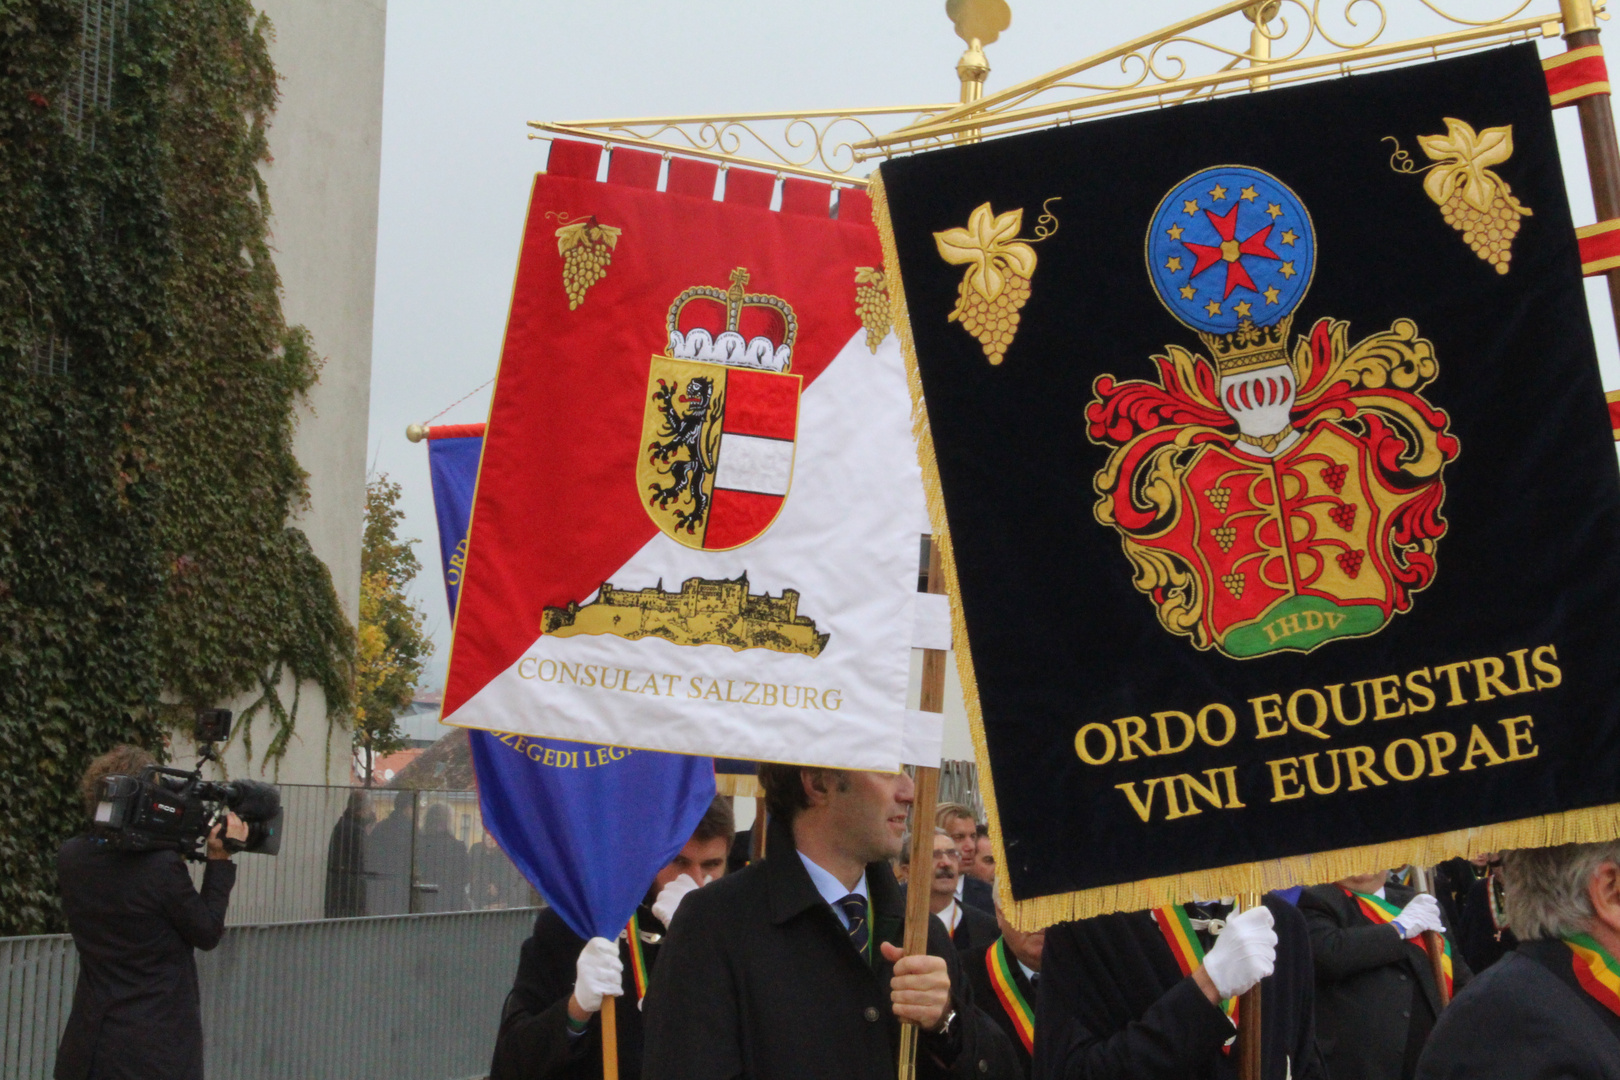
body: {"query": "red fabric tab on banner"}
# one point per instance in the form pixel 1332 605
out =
pixel 456 431
pixel 634 168
pixel 806 196
pixel 1576 74
pixel 749 188
pixel 1614 413
pixel 576 159
pixel 758 403
pixel 688 176
pixel 736 517
pixel 854 206
pixel 1600 247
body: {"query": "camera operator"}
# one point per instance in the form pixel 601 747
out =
pixel 135 919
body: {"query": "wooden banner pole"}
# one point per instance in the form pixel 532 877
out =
pixel 610 1039
pixel 1436 948
pixel 926 797
pixel 1597 134
pixel 1433 943
pixel 1249 1024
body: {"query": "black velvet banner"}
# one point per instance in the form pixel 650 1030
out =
pixel 1278 475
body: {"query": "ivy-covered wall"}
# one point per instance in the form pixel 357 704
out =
pixel 149 389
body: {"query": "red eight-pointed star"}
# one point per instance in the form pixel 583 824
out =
pixel 1230 251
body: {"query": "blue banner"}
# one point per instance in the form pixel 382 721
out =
pixel 589 826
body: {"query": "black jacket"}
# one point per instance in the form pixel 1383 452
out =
pixel 758 979
pixel 534 1043
pixel 979 894
pixel 975 931
pixel 1376 1000
pixel 1113 1005
pixel 1465 900
pixel 986 998
pixel 135 919
pixel 1525 1018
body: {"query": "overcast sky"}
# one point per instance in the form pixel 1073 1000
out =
pixel 462 79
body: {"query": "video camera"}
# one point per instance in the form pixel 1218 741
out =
pixel 167 808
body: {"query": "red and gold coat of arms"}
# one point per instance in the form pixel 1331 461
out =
pixel 1268 499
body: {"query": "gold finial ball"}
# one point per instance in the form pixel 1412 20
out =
pixel 979 20
pixel 416 432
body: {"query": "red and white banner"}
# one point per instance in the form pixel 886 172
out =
pixel 696 521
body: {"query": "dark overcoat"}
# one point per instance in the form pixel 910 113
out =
pixel 1113 1005
pixel 979 894
pixel 986 998
pixel 975 931
pixel 135 919
pixel 1524 1018
pixel 1376 999
pixel 759 979
pixel 534 1043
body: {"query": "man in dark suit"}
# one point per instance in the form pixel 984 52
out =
pixel 550 1027
pixel 1006 977
pixel 1547 1009
pixel 1376 998
pixel 1115 1004
pixel 135 919
pixel 791 967
pixel 961 826
pixel 970 928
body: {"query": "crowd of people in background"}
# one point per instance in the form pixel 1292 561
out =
pixel 411 861
pixel 790 966
pixel 788 962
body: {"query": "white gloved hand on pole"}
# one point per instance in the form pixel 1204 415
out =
pixel 670 897
pixel 598 973
pixel 1244 953
pixel 1421 913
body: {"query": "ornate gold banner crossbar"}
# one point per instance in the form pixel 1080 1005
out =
pixel 1289 41
pixel 817 144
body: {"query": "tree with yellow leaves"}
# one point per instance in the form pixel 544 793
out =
pixel 392 647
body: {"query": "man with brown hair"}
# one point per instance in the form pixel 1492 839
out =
pixel 549 1025
pixel 963 828
pixel 792 968
pixel 135 920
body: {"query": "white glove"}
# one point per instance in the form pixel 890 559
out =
pixel 598 973
pixel 1422 913
pixel 1244 953
pixel 670 897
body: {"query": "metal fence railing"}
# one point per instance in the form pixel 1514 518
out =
pixel 349 852
pixel 408 998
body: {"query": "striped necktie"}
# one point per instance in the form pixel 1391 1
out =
pixel 854 907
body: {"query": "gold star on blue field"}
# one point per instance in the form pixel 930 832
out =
pixel 1228 245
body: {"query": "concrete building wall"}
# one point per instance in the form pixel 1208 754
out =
pixel 326 148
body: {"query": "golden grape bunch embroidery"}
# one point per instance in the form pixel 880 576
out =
pixel 586 248
pixel 1000 266
pixel 1472 198
pixel 872 304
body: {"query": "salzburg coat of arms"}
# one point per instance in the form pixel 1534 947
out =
pixel 1270 495
pixel 721 417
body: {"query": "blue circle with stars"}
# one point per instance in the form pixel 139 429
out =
pixel 1231 243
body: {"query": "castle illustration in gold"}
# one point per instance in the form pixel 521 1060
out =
pixel 703 613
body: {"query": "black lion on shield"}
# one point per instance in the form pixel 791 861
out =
pixel 685 449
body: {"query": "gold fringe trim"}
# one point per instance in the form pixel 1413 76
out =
pixel 1584 826
pixel 933 495
pixel 738 785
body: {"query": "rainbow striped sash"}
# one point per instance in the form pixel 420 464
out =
pixel 638 959
pixel 1596 970
pixel 999 965
pixel 1189 953
pixel 1382 912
